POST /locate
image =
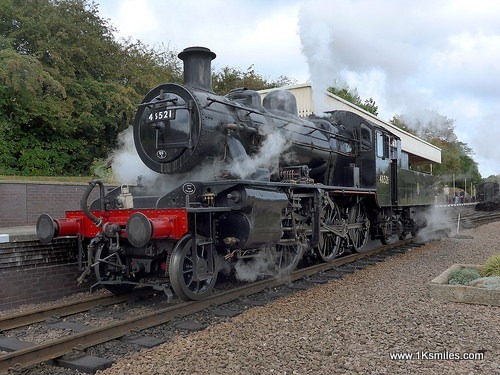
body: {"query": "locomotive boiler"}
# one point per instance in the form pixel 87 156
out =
pixel 248 179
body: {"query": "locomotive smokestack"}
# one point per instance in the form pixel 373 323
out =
pixel 197 67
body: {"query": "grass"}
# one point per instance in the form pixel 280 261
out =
pixel 492 266
pixel 48 178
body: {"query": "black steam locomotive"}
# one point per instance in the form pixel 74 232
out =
pixel 488 196
pixel 251 181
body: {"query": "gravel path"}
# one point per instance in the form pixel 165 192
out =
pixel 350 326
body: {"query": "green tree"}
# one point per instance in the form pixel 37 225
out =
pixel 229 78
pixel 436 128
pixel 457 161
pixel 492 178
pixel 353 97
pixel 67 87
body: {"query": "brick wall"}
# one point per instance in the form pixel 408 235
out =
pixel 13 211
pixel 40 284
pixel 32 273
pixel 21 203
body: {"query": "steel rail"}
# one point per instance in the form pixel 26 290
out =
pixel 65 309
pixel 47 351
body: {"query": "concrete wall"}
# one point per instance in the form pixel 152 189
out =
pixel 21 203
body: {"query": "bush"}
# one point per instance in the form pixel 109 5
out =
pixel 491 282
pixel 491 267
pixel 101 169
pixel 463 276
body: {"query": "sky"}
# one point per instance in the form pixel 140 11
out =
pixel 422 59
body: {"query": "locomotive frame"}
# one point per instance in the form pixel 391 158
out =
pixel 339 181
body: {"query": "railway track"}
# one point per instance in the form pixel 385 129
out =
pixel 476 218
pixel 67 308
pixel 48 351
pixel 450 220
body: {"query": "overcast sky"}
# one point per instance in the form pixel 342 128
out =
pixel 415 58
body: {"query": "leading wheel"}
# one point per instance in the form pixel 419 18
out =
pixel 359 226
pixel 329 242
pixel 109 268
pixel 193 272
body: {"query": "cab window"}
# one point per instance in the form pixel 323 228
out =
pixel 380 145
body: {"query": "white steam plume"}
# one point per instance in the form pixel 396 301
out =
pixel 251 270
pixel 273 146
pixel 437 224
pixel 126 164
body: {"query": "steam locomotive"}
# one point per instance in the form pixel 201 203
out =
pixel 249 180
pixel 488 196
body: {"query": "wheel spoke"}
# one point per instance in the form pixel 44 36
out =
pixel 108 267
pixel 359 226
pixel 192 274
pixel 286 257
pixel 329 245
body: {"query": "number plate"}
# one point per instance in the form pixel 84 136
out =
pixel 163 114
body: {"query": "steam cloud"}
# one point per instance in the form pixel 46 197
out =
pixel 251 270
pixel 127 167
pixel 273 146
pixel 126 164
pixel 437 224
pixel 439 59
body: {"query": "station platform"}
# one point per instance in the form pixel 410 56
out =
pixel 18 234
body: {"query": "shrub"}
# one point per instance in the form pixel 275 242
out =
pixel 491 282
pixel 101 168
pixel 491 267
pixel 463 276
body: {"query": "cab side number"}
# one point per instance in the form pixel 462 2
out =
pixel 383 179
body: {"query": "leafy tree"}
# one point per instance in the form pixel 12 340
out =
pixel 352 96
pixel 456 156
pixel 144 68
pixel 457 159
pixel 436 127
pixel 492 178
pixel 67 87
pixel 229 78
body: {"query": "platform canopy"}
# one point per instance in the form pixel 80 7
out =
pixel 419 151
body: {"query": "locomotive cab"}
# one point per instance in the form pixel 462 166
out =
pixel 388 151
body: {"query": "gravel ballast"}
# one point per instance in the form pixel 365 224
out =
pixel 351 326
